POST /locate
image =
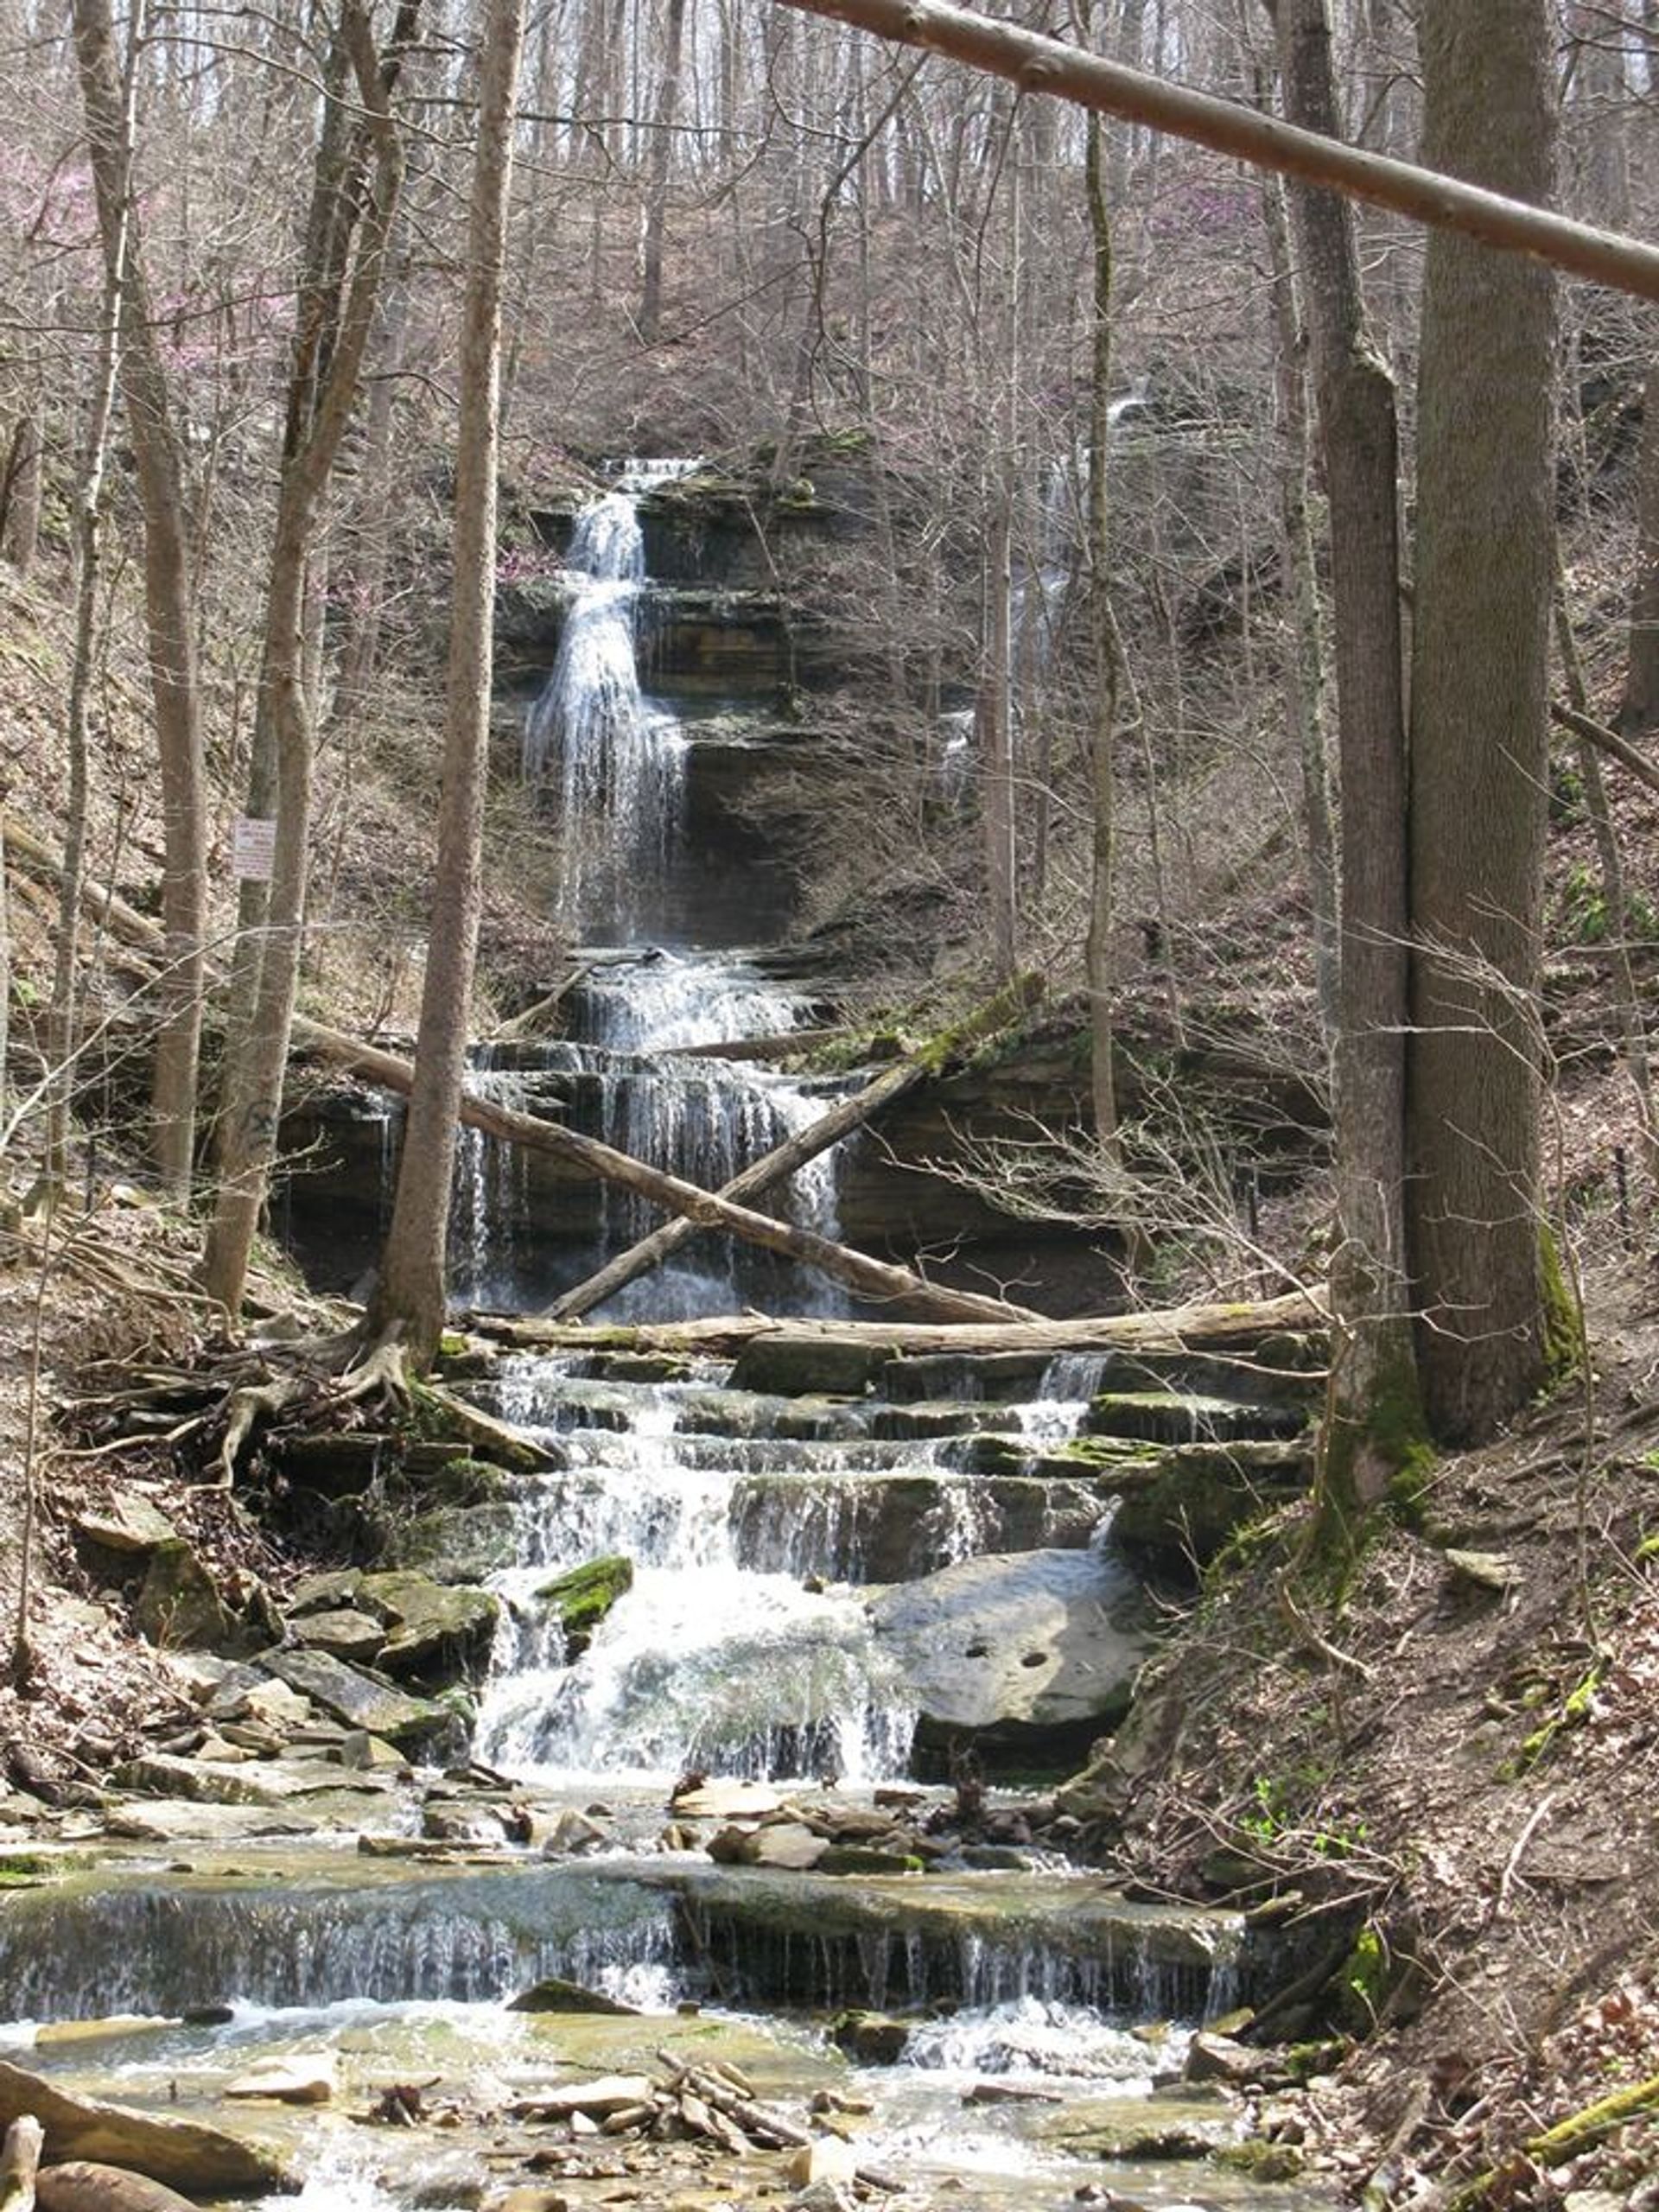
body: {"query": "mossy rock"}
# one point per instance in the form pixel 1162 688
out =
pixel 456 1543
pixel 180 1606
pixel 787 1367
pixel 1178 1417
pixel 435 1631
pixel 1202 1495
pixel 583 1598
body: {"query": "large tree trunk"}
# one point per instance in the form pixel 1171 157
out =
pixel 411 1287
pixel 659 164
pixel 1104 654
pixel 169 608
pixel 1175 1329
pixel 336 314
pixel 1479 729
pixel 1374 1416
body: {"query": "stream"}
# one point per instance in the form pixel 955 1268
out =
pixel 781 1537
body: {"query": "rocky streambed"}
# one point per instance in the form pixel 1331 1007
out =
pixel 304 1914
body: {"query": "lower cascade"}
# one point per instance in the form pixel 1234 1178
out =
pixel 791 1646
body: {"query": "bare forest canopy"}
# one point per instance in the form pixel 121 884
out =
pixel 1039 65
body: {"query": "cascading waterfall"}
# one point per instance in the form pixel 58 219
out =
pixel 621 756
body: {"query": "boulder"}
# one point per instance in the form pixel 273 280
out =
pixel 346 1632
pixel 307 2078
pixel 462 1543
pixel 1196 1496
pixel 802 1367
pixel 1188 1417
pixel 1012 1648
pixel 872 2039
pixel 781 1843
pixel 727 1801
pixel 582 1599
pixel 554 1994
pixel 418 1725
pixel 82 2185
pixel 436 1631
pixel 186 2155
pixel 179 1606
pixel 125 1522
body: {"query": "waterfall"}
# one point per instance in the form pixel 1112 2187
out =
pixel 620 758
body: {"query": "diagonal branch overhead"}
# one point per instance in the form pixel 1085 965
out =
pixel 1037 64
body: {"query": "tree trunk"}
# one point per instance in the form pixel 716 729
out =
pixel 1640 709
pixel 1614 897
pixel 336 313
pixel 661 161
pixel 20 530
pixel 783 1160
pixel 1047 65
pixel 169 607
pixel 1305 671
pixel 1479 745
pixel 1229 1328
pixel 411 1286
pixel 1104 655
pixel 1373 1419
pixel 89 519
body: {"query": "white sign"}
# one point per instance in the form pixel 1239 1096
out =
pixel 253 849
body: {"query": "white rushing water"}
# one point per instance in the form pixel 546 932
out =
pixel 620 756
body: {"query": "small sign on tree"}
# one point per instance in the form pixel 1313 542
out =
pixel 253 849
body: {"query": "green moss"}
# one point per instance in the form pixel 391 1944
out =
pixel 1261 2161
pixel 1362 1980
pixel 583 1597
pixel 1576 1708
pixel 1561 1316
pixel 1382 1452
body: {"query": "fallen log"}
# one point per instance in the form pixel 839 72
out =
pixel 1216 1328
pixel 1609 741
pixel 530 1022
pixel 784 1045
pixel 772 1168
pixel 877 1280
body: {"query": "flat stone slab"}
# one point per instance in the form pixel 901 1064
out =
pixel 186 2155
pixel 256 1782
pixel 178 1820
pixel 126 1523
pixel 357 1699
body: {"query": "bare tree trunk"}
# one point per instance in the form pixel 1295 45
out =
pixel 995 719
pixel 411 1287
pixel 662 156
pixel 1640 708
pixel 1305 671
pixel 169 602
pixel 1480 738
pixel 335 317
pixel 1104 657
pixel 1373 1421
pixel 89 518
pixel 23 480
pixel 1614 899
